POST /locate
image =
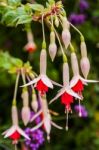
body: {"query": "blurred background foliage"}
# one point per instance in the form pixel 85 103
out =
pixel 83 133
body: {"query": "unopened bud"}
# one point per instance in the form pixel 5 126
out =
pixel 52 50
pixel 74 64
pixel 83 49
pixel 34 102
pixel 85 66
pixel 25 115
pixel 66 37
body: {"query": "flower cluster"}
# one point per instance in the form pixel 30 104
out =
pixel 71 88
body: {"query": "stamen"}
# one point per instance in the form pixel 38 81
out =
pixel 80 114
pixel 66 111
pixel 48 138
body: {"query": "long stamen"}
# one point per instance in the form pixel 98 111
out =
pixel 80 114
pixel 66 111
pixel 16 147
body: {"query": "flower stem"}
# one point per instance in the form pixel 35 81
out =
pixel 43 28
pixel 16 88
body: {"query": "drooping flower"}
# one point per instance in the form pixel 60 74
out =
pixel 46 121
pixel 81 110
pixel 34 103
pixel 37 138
pixel 77 82
pixel 15 131
pixel 42 82
pixel 25 109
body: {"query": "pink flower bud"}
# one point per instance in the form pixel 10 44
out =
pixel 52 37
pixel 66 37
pixel 85 66
pixel 65 74
pixel 25 97
pixel 74 64
pixel 34 102
pixel 52 50
pixel 14 115
pixel 25 115
pixel 83 49
pixel 43 61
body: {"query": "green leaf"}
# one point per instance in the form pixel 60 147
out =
pixel 37 7
pixel 14 2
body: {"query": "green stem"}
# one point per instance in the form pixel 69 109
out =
pixel 16 88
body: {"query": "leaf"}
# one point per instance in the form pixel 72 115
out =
pixel 14 2
pixel 37 7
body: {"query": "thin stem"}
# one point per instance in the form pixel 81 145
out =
pixel 76 30
pixel 16 88
pixel 43 27
pixel 23 76
pixel 29 81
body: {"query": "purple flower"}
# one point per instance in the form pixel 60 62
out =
pixel 37 138
pixel 84 5
pixel 81 110
pixel 77 19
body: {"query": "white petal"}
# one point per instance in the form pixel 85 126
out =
pixel 72 93
pixel 10 131
pixel 22 133
pixel 37 126
pixel 89 81
pixel 74 80
pixel 36 115
pixel 58 95
pixel 57 84
pixel 31 82
pixel 46 81
pixel 55 125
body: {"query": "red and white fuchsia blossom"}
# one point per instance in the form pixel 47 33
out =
pixel 46 121
pixel 15 131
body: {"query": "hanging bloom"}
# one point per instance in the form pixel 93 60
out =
pixel 30 47
pixel 25 109
pixel 66 36
pixel 15 131
pixel 34 103
pixel 66 93
pixel 84 63
pixel 46 118
pixel 77 82
pixel 42 82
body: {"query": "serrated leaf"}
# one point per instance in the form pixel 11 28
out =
pixel 37 7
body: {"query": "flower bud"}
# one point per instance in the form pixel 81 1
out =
pixel 25 114
pixel 83 49
pixel 34 102
pixel 65 22
pixel 66 37
pixel 14 115
pixel 85 66
pixel 52 50
pixel 65 74
pixel 43 61
pixel 56 22
pixel 74 64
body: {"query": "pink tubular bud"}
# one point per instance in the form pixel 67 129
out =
pixel 34 102
pixel 14 115
pixel 43 61
pixel 52 50
pixel 25 115
pixel 52 37
pixel 74 64
pixel 83 49
pixel 85 66
pixel 65 22
pixel 65 74
pixel 25 97
pixel 66 37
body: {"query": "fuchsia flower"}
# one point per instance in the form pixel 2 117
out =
pixel 46 118
pixel 66 93
pixel 42 82
pixel 15 131
pixel 30 47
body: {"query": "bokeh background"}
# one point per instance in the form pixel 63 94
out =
pixel 83 132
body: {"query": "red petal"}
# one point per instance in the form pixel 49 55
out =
pixel 15 136
pixel 41 87
pixel 79 87
pixel 66 99
pixel 31 49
